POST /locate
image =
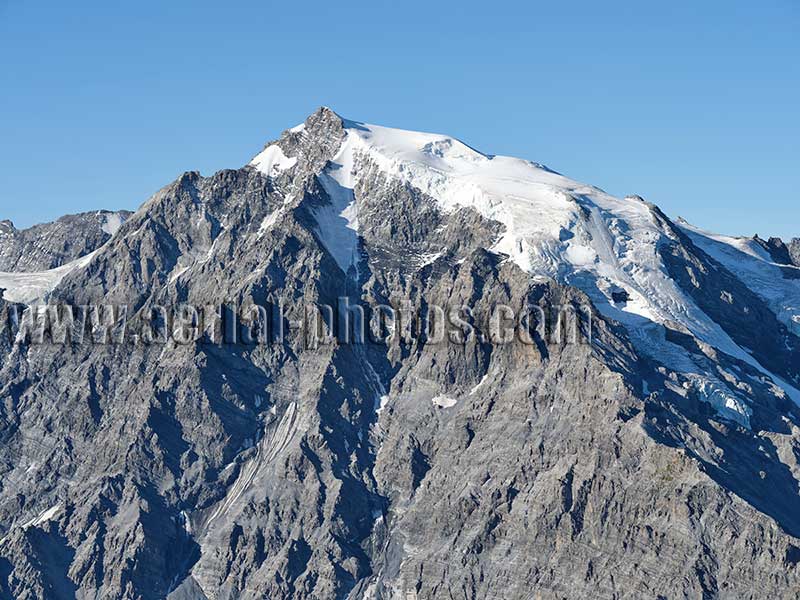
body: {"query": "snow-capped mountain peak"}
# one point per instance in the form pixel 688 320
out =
pixel 554 227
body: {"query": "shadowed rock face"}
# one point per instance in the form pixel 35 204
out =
pixel 382 470
pixel 782 253
pixel 51 245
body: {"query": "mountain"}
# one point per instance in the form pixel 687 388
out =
pixel 652 454
pixel 51 245
pixel 34 260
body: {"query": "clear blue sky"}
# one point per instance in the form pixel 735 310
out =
pixel 691 104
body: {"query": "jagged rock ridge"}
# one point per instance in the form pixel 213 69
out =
pixel 51 245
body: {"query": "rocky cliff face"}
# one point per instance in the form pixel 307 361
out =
pixel 652 454
pixel 781 252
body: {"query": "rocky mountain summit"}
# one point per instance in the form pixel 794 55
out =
pixel 654 454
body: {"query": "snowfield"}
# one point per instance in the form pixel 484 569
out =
pixel 31 288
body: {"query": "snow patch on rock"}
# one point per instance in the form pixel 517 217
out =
pixel 337 222
pixel 113 222
pixel 29 288
pixel 444 401
pixel 272 160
